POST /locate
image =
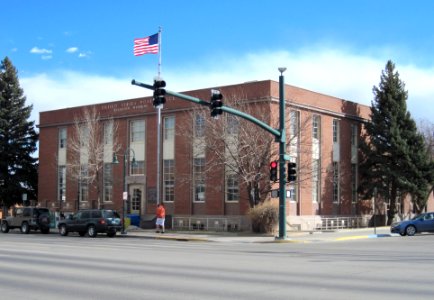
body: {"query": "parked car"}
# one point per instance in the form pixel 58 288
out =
pixel 92 222
pixel 27 218
pixel 420 223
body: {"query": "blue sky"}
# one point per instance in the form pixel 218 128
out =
pixel 80 52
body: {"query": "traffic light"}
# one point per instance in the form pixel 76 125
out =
pixel 159 92
pixel 273 171
pixel 292 171
pixel 216 103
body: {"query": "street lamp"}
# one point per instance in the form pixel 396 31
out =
pixel 125 193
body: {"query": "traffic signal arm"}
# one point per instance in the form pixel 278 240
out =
pixel 224 108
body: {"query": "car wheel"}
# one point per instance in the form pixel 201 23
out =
pixel 91 231
pixel 111 233
pixel 82 233
pixel 25 228
pixel 5 227
pixel 44 223
pixel 410 230
pixel 62 230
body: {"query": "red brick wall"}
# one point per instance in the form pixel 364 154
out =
pixel 307 102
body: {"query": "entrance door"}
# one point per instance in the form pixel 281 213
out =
pixel 137 199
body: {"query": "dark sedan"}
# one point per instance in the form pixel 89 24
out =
pixel 92 222
pixel 421 223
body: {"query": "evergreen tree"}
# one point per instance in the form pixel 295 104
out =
pixel 421 174
pixel 18 169
pixel 394 159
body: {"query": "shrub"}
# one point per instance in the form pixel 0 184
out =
pixel 265 216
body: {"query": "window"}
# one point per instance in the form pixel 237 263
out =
pixel 61 183
pixel 335 182
pixel 83 185
pixel 85 214
pixel 315 180
pixel 96 214
pixel 294 117
pixel 354 183
pixel 292 193
pixel 199 179
pixel 136 199
pixel 233 124
pixel 335 131
pixel 232 188
pixel 137 131
pixel 62 137
pixel 108 133
pixel 108 182
pixel 199 125
pixel 354 130
pixel 315 127
pixel 169 128
pixel 27 212
pixel 137 168
pixel 169 180
pixel 294 131
pixel 84 136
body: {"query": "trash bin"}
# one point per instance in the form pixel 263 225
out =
pixel 134 220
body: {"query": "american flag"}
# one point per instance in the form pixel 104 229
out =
pixel 146 45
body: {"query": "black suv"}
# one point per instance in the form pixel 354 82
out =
pixel 27 218
pixel 92 222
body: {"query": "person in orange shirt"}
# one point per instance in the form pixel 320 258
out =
pixel 161 217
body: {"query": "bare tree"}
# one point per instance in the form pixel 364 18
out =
pixel 426 128
pixel 93 138
pixel 237 146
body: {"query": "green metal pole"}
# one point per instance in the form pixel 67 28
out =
pixel 124 173
pixel 282 146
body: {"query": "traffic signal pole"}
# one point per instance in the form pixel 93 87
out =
pixel 282 157
pixel 279 134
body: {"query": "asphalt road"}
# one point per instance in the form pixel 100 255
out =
pixel 37 266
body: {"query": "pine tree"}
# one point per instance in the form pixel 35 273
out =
pixel 395 161
pixel 18 169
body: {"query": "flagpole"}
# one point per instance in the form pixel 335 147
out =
pixel 159 51
pixel 159 107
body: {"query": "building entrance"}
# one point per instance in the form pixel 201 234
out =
pixel 137 199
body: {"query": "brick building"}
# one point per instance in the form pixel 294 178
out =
pixel 322 136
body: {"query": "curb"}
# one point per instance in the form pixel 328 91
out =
pixel 358 237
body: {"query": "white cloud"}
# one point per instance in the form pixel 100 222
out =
pixel 36 50
pixel 337 73
pixel 72 50
pixel 68 89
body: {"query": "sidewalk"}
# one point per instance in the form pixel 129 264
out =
pixel 246 237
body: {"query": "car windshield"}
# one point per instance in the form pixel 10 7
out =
pixel 111 214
